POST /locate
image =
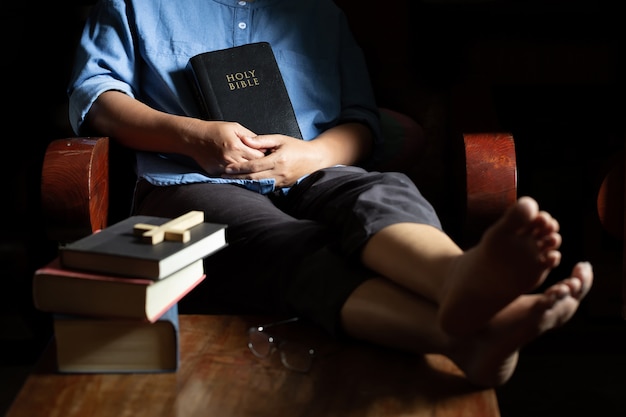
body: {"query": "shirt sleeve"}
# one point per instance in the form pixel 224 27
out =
pixel 104 59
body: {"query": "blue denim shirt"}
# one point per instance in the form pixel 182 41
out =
pixel 142 47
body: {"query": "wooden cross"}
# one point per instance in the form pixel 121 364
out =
pixel 175 230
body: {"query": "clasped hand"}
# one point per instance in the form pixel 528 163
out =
pixel 285 159
pixel 230 150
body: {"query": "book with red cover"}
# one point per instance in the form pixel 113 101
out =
pixel 244 84
pixel 101 345
pixel 61 290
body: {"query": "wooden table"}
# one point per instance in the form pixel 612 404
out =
pixel 218 376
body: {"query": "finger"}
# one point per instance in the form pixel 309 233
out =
pixel 248 167
pixel 251 154
pixel 262 141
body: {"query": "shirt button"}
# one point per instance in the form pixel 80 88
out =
pixel 242 25
pixel 242 3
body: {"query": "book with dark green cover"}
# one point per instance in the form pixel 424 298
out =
pixel 117 250
pixel 244 84
pixel 102 345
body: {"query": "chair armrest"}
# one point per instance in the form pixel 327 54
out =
pixel 490 179
pixel 611 198
pixel 75 187
pixel 483 171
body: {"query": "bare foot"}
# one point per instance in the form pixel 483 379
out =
pixel 489 357
pixel 514 256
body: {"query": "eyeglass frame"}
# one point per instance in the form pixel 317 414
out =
pixel 276 344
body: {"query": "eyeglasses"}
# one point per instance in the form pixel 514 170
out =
pixel 293 356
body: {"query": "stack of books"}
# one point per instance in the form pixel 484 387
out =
pixel 114 294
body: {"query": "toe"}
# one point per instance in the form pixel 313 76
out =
pixel 584 272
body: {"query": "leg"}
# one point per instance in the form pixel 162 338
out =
pixel 514 257
pixel 382 312
pixel 264 245
pixel 274 263
pixel 386 220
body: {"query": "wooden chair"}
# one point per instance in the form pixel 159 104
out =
pixel 80 194
pixel 86 184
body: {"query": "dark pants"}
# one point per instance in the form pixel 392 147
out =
pixel 296 253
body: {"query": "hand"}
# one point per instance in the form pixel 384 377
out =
pixel 286 160
pixel 220 144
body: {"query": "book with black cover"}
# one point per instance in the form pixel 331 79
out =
pixel 116 249
pixel 92 345
pixel 69 291
pixel 244 84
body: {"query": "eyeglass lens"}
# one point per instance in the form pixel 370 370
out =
pixel 296 357
pixel 292 355
pixel 261 344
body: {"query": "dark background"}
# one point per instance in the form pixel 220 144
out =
pixel 550 72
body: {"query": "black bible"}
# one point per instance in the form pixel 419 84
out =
pixel 243 84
